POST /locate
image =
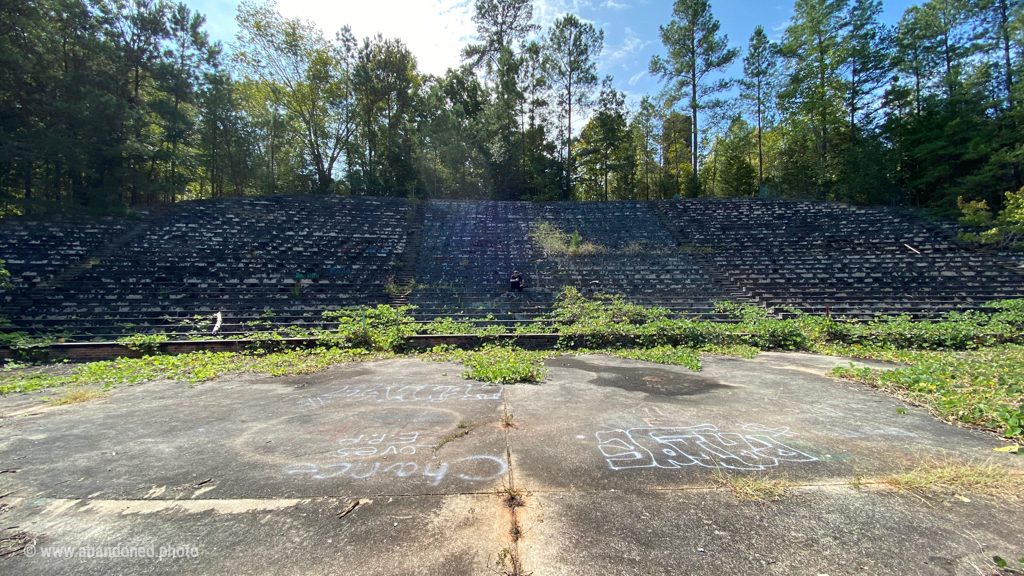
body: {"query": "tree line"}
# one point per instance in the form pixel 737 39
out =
pixel 112 104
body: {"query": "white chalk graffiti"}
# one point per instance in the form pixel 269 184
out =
pixel 756 448
pixel 432 393
pixel 471 469
pixel 382 445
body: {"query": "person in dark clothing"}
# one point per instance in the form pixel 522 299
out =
pixel 516 282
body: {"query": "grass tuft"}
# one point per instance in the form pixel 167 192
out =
pixel 953 476
pixel 464 427
pixel 761 489
pixel 77 396
pixel 555 242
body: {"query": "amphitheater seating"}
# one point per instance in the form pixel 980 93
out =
pixel 269 262
pixel 260 262
pixel 856 262
pixel 470 249
pixel 38 251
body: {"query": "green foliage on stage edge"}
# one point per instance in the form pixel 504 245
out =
pixel 380 329
pixel 148 344
pixel 983 388
pixel 964 366
pixel 193 368
pixel 497 364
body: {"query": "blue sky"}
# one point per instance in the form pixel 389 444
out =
pixel 435 30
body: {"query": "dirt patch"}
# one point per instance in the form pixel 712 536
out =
pixel 655 381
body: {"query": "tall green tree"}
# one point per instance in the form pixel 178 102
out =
pixel 499 23
pixel 605 150
pixel 867 45
pixel 572 48
pixel 759 86
pixel 813 46
pixel 696 51
pixel 737 174
pixel 385 85
pixel 644 130
pixel 312 75
pixel 185 61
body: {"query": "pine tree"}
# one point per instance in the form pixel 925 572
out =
pixel 758 87
pixel 695 52
pixel 572 48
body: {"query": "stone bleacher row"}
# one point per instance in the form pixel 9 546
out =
pixel 279 261
pixel 470 249
pixel 856 262
pixel 37 251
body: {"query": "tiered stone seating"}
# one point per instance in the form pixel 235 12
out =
pixel 1014 258
pixel 855 262
pixel 272 261
pixel 281 261
pixel 37 251
pixel 470 249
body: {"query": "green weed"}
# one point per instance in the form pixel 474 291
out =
pixel 983 388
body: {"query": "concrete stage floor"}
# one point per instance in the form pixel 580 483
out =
pixel 359 470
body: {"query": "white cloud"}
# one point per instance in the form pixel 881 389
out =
pixel 611 4
pixel 434 30
pixel 630 46
pixel 545 12
pixel 636 77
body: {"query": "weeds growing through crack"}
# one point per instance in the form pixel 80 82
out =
pixel 511 497
pixel 507 421
pixel 952 476
pixel 761 489
pixel 464 427
pixel 515 531
pixel 76 396
pixel 509 563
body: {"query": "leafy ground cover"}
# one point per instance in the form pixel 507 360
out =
pixel 983 388
pixel 193 368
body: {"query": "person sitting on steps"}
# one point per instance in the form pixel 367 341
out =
pixel 516 282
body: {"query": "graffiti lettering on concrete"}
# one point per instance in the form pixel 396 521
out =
pixel 471 469
pixel 755 448
pixel 385 444
pixel 429 393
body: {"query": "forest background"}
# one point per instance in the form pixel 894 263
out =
pixel 106 105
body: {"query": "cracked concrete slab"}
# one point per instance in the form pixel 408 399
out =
pixel 394 467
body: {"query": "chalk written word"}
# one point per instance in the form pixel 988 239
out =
pixel 756 448
pixel 382 445
pixel 470 469
pixel 432 393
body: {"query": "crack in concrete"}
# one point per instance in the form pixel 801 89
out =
pixel 510 560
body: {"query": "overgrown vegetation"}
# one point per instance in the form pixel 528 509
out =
pixel 761 489
pixel 983 388
pixel 1004 230
pixel 193 368
pixel 554 242
pixel 965 367
pixel 955 477
pixel 498 364
pixel 78 396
